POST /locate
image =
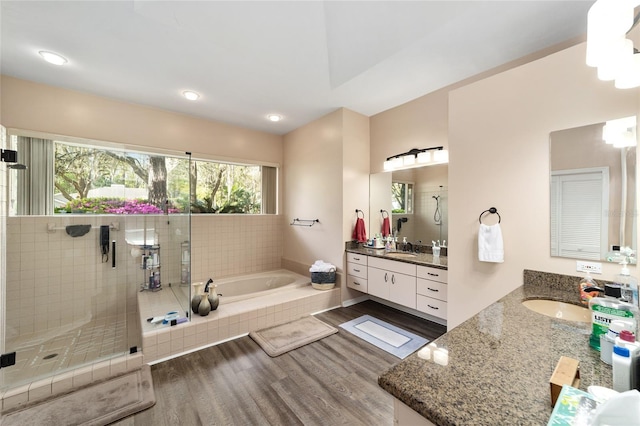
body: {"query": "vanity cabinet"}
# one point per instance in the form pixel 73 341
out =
pixel 357 272
pixel 393 281
pixel 431 290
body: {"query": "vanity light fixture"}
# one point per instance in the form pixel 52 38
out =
pixel 53 58
pixel 608 24
pixel 274 117
pixel 416 158
pixel 191 95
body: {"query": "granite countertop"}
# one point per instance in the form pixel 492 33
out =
pixel 425 259
pixel 500 362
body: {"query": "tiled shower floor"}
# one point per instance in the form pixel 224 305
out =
pixel 93 341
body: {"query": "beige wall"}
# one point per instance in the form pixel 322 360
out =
pixel 421 123
pixel 32 106
pixel 355 181
pixel 326 177
pixel 499 156
pixel 497 131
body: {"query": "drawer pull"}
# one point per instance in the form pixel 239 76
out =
pixel 357 270
pixel 432 289
pixel 356 283
pixel 393 279
pixel 433 275
pixel 433 307
pixel 356 258
pixel 385 277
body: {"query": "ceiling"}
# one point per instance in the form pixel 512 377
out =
pixel 298 59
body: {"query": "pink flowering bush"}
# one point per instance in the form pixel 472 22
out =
pixel 103 205
pixel 135 207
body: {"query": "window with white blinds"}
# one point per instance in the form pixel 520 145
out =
pixel 579 202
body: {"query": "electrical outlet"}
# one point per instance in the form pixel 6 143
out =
pixel 592 267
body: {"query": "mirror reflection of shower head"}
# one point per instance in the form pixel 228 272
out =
pixel 17 166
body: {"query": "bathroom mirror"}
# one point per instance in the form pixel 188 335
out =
pixel 428 220
pixel 593 201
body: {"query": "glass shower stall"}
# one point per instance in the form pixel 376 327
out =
pixel 85 228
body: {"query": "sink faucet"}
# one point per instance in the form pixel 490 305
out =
pixel 409 245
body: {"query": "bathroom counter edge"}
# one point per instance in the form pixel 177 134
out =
pixel 481 384
pixel 424 259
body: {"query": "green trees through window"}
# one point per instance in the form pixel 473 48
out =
pixel 90 179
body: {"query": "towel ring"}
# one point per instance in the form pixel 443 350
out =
pixel 358 213
pixel 491 210
pixel 383 212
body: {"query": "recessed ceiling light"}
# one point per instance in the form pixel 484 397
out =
pixel 53 58
pixel 192 96
pixel 274 117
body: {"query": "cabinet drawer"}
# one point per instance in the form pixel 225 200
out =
pixel 357 270
pixel 432 306
pixel 433 274
pixel 432 289
pixel 393 266
pixel 357 283
pixel 357 258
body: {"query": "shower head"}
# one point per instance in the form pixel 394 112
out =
pixel 17 167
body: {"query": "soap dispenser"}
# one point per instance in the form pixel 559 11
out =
pixel 628 283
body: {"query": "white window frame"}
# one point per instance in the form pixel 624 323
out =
pixel 594 204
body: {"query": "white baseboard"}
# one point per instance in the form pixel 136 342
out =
pixel 355 301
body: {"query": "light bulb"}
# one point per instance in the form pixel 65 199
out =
pixel 53 58
pixel 191 95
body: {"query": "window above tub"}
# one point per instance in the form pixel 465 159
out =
pixel 63 175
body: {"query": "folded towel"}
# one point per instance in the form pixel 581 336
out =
pixel 322 266
pixel 490 246
pixel 386 227
pixel 359 232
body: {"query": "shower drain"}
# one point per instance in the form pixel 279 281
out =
pixel 50 356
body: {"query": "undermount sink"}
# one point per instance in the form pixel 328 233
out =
pixel 401 255
pixel 560 310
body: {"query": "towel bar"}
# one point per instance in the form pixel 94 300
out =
pixel 304 222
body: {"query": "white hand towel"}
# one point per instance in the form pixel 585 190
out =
pixel 490 246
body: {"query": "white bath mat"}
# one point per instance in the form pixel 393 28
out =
pixel 388 337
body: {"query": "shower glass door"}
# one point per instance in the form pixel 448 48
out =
pixel 72 273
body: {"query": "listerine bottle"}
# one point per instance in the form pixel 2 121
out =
pixel 610 308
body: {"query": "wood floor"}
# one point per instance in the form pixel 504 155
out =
pixel 329 382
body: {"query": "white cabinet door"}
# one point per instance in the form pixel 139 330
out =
pixel 402 289
pixel 378 282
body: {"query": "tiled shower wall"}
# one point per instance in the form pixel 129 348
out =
pixel 224 245
pixel 54 280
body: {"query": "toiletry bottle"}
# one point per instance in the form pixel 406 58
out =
pixel 607 309
pixel 621 366
pixel 629 284
pixel 627 339
pixel 608 340
pixel 585 284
